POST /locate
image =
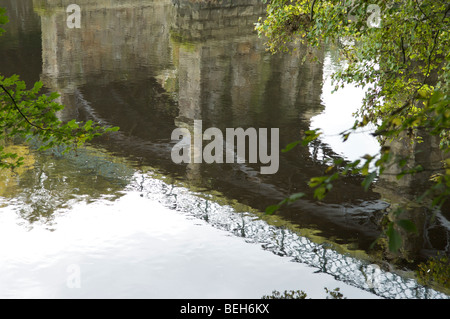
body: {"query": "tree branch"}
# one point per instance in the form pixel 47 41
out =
pixel 312 9
pixel 18 109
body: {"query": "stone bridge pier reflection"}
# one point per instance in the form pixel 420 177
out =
pixel 227 80
pixel 433 226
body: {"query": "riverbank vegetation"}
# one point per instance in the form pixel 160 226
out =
pixel 399 52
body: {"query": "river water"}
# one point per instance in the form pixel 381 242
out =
pixel 119 219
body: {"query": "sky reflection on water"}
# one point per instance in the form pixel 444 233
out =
pixel 135 247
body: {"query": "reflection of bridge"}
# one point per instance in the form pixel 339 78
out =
pixel 115 36
pixel 219 20
pixel 149 66
pixel 286 242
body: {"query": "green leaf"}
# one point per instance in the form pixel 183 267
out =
pixel 88 125
pixel 290 146
pixel 295 197
pixel 72 124
pixel 368 180
pixel 38 85
pixel 316 181
pixel 3 17
pixel 407 225
pixel 311 135
pixel 345 137
pixel 320 192
pixel 395 240
pixel 270 210
pixel 436 97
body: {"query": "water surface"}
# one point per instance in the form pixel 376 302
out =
pixel 137 225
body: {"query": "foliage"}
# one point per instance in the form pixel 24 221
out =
pixel 26 114
pixel 3 19
pixel 436 269
pixel 292 294
pixel 334 294
pixel 399 52
pixel 300 294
